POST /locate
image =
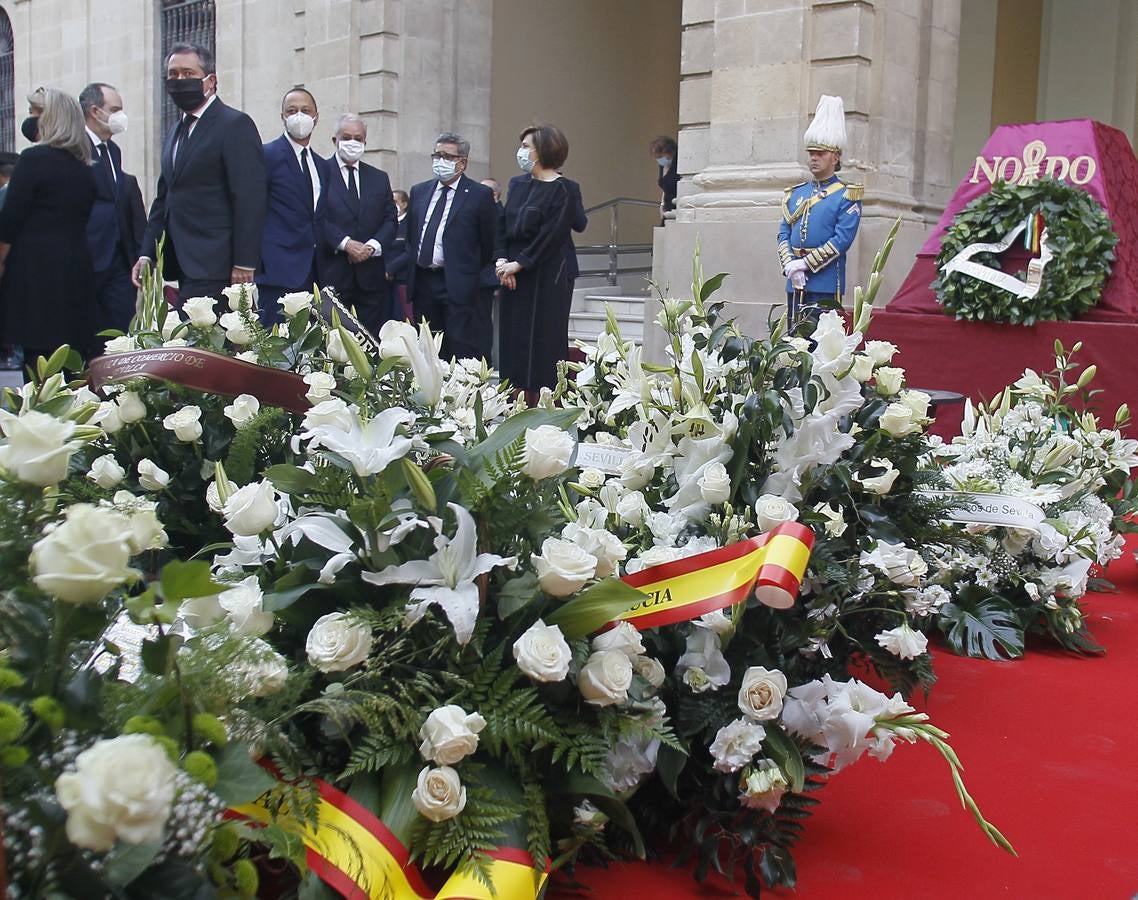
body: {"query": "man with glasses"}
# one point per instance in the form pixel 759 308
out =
pixel 451 231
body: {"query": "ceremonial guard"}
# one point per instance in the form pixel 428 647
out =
pixel 819 219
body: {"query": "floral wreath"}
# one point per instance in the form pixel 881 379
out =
pixel 1079 236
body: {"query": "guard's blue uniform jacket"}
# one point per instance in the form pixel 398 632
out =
pixel 819 224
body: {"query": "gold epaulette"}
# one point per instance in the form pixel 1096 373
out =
pixel 793 186
pixel 855 191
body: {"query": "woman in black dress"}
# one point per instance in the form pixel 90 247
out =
pixel 47 293
pixel 664 152
pixel 533 331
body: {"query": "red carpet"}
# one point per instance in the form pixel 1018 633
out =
pixel 1049 748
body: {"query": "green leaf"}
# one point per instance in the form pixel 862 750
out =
pixel 594 608
pixel 621 817
pixel 988 629
pixel 127 861
pixel 517 593
pixel 513 428
pixel 669 764
pixel 710 286
pixel 156 654
pixel 292 480
pixel 239 779
pixel 785 752
pixel 777 866
pixel 275 601
pixel 181 580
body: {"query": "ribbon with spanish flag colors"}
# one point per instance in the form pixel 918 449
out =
pixel 354 853
pixel 771 564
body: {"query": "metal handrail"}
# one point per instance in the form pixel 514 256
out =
pixel 613 248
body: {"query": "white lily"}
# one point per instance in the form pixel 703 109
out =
pixel 447 577
pixel 369 448
pixel 631 383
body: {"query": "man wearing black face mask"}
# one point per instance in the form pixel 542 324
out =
pixel 211 193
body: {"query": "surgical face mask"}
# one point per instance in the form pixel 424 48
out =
pixel 30 128
pixel 116 122
pixel 350 151
pixel 444 169
pixel 663 161
pixel 525 161
pixel 299 125
pixel 187 93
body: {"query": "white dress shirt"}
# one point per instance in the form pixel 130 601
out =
pixel 437 252
pixel 98 141
pixel 373 243
pixel 313 175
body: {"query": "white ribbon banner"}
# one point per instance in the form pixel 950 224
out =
pixel 962 263
pixel 991 509
pixel 603 457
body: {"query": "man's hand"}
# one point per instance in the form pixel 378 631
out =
pixel 796 272
pixel 240 275
pixel 139 268
pixel 358 252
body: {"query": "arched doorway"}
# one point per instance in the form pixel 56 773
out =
pixel 7 85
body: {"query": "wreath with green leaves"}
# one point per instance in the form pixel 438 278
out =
pixel 1082 244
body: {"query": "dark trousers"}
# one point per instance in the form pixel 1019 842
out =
pixel 114 297
pixel 809 304
pixel 467 328
pixel 204 287
pixel 373 307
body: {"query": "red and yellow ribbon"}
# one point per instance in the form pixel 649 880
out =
pixel 771 564
pixel 354 853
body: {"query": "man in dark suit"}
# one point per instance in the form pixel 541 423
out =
pixel 398 259
pixel 211 193
pixel 297 186
pixel 358 228
pixel 118 218
pixel 453 221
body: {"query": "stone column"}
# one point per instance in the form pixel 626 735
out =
pixel 751 75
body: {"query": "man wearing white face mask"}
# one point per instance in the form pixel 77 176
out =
pixel 118 218
pixel 296 181
pixel 357 228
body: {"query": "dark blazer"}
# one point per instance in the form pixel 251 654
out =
pixel 48 290
pixel 212 205
pixel 669 183
pixel 288 243
pixel 118 218
pixel 489 277
pixel 400 257
pixel 580 223
pixel 468 237
pixel 376 219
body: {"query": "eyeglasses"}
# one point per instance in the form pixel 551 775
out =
pixel 449 157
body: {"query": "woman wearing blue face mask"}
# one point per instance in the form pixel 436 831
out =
pixel 664 152
pixel 533 328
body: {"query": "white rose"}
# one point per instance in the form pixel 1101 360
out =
pixel 900 564
pixel 736 744
pixel 632 509
pixel 903 642
pixel 320 386
pixel 605 678
pixel 862 369
pixel 121 789
pixel 761 694
pixel 131 407
pixel 649 669
pixel 249 356
pixel 542 652
pixel 439 794
pixel 835 523
pixel 337 642
pixel 146 531
pixel 881 352
pixel 200 312
pixel 879 484
pixel 185 423
pixel 450 734
pixel 236 330
pixel 295 302
pixel 563 567
pixel 334 412
pixel 242 605
pixel 889 380
pixel 241 295
pixel 394 337
pixel 591 478
pixel 106 472
pixel 150 477
pixel 242 410
pixel 897 421
pixel 715 483
pixel 39 447
pixel 917 401
pixel 773 510
pixel 605 546
pixel 547 453
pixel 251 509
pixel 265 674
pixel 623 636
pixel 85 556
pixel 201 612
pixel 122 344
pixel 107 417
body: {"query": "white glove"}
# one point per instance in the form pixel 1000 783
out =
pixel 798 278
pixel 793 266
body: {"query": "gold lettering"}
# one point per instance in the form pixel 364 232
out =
pixel 1090 166
pixel 989 171
pixel 1058 162
pixel 1002 168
